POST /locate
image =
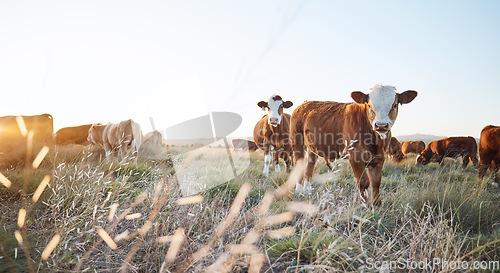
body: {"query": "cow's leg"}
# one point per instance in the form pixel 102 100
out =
pixel 375 175
pixel 298 146
pixel 481 171
pixel 465 161
pixel 267 161
pixel 117 155
pixel 362 179
pixel 287 158
pixel 108 155
pixel 328 164
pixel 474 160
pixel 495 167
pixel 311 161
pixel 298 149
pixel 440 160
pixel 108 150
pixel 276 161
pixel 120 154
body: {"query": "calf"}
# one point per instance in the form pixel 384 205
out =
pixel 272 133
pixel 450 147
pixel 412 147
pixel 361 131
pixel 394 150
pixel 489 152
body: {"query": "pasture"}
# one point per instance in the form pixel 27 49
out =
pixel 427 213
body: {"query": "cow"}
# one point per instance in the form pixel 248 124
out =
pixel 272 133
pixel 437 150
pixel 360 131
pixel 74 135
pixel 152 138
pixel 42 127
pixel 394 150
pixel 412 147
pixel 244 145
pixel 152 145
pixel 489 152
pixel 118 139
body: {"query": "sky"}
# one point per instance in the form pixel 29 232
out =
pixel 172 61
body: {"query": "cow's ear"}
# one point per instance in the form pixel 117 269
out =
pixel 262 104
pixel 287 104
pixel 407 96
pixel 359 97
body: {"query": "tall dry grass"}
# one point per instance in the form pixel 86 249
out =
pixel 132 218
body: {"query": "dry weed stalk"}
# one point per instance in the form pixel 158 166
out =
pixel 219 231
pixel 252 237
pixel 21 233
pixel 158 205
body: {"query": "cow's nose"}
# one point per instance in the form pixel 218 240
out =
pixel 273 120
pixel 380 126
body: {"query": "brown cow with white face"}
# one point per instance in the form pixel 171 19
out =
pixel 489 152
pixel 272 133
pixel 360 130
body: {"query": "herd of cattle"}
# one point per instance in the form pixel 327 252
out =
pixel 359 131
pixel 122 139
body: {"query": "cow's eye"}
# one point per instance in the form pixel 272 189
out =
pixel 395 106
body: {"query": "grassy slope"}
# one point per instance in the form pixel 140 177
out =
pixel 427 212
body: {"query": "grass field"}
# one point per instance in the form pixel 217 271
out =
pixel 249 224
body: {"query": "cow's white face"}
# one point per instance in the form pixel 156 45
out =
pixel 382 106
pixel 274 108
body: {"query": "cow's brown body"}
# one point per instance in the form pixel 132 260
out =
pixel 274 140
pixel 243 144
pixel 489 152
pixel 412 147
pixel 42 127
pixel 395 151
pixel 118 139
pixel 332 129
pixel 73 135
pixel 437 150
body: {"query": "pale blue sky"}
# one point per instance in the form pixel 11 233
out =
pixel 106 61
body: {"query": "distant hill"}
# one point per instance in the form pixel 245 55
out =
pixel 202 141
pixel 425 138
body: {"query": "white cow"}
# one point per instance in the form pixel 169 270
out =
pixel 118 139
